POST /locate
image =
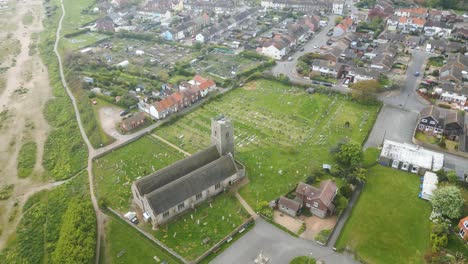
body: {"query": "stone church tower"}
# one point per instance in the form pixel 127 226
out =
pixel 222 135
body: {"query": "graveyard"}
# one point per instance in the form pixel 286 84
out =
pixel 115 172
pixel 282 133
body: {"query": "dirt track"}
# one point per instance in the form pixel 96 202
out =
pixel 26 91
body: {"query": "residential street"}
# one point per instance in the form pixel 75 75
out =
pixel 277 245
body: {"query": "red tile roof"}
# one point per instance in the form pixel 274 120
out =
pixel 199 79
pixel 205 85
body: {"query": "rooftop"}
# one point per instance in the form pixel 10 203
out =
pixel 413 154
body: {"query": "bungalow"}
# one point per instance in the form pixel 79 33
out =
pixel 133 122
pixel 383 61
pixel 318 200
pixel 289 206
pixel 324 67
pixel 363 74
pixel 454 124
pixel 430 121
pixel 463 225
pixel 459 99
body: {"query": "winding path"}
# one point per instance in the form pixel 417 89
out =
pixel 91 151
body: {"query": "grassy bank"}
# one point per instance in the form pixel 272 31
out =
pixel 64 152
pixel 49 223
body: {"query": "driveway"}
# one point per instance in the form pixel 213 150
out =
pixel 392 123
pixel 279 246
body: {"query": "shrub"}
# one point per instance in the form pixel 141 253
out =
pixel 346 191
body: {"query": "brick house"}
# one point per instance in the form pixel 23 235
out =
pixel 133 122
pixel 289 206
pixel 318 200
pixel 463 225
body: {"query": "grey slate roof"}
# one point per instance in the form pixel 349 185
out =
pixel 177 170
pixel 191 184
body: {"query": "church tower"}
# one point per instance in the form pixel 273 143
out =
pixel 222 135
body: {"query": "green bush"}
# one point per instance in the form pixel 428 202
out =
pixel 27 159
pixel 323 236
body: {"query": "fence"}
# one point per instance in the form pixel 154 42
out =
pixel 159 243
pixel 217 245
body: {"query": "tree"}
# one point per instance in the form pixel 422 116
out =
pixel 365 91
pixel 435 73
pixel 361 175
pixel 452 176
pixel 346 191
pixel 263 208
pixel 341 203
pixel 338 19
pixel 448 201
pixel 349 155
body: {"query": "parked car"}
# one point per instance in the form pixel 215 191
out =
pixel 329 33
pixel 416 74
pixel 315 47
pixel 124 112
pixel 290 58
pixel 302 49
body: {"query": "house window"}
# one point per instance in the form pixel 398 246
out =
pixel 180 206
pixel 432 122
pixel 315 204
pixel 217 186
pixel 462 233
pixel 429 128
pixel 424 120
pixel 466 224
pixel 166 214
pixel 421 127
pixel 198 196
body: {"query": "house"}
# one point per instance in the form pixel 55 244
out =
pixel 409 157
pixel 298 5
pixel 437 28
pixel 455 69
pixel 318 200
pixel 203 85
pixel 459 99
pixel 343 27
pixel 133 122
pixel 383 61
pixel 454 124
pixel 275 49
pixel 358 74
pixel 324 67
pixel 463 225
pixel 173 190
pixel 430 121
pixel 88 80
pixel 429 185
pixel 337 7
pixel 312 22
pixel 289 206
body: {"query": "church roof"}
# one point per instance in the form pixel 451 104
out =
pixel 177 170
pixel 191 184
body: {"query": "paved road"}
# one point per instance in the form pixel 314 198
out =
pixel 407 98
pixel 279 246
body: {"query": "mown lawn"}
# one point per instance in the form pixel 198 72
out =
pixel 389 223
pixel 74 18
pixel 185 235
pixel 115 172
pixel 281 132
pixel 125 245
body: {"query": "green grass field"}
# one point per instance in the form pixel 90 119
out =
pixel 389 223
pixel 281 132
pixel 125 245
pixel 115 172
pixel 185 235
pixel 74 18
